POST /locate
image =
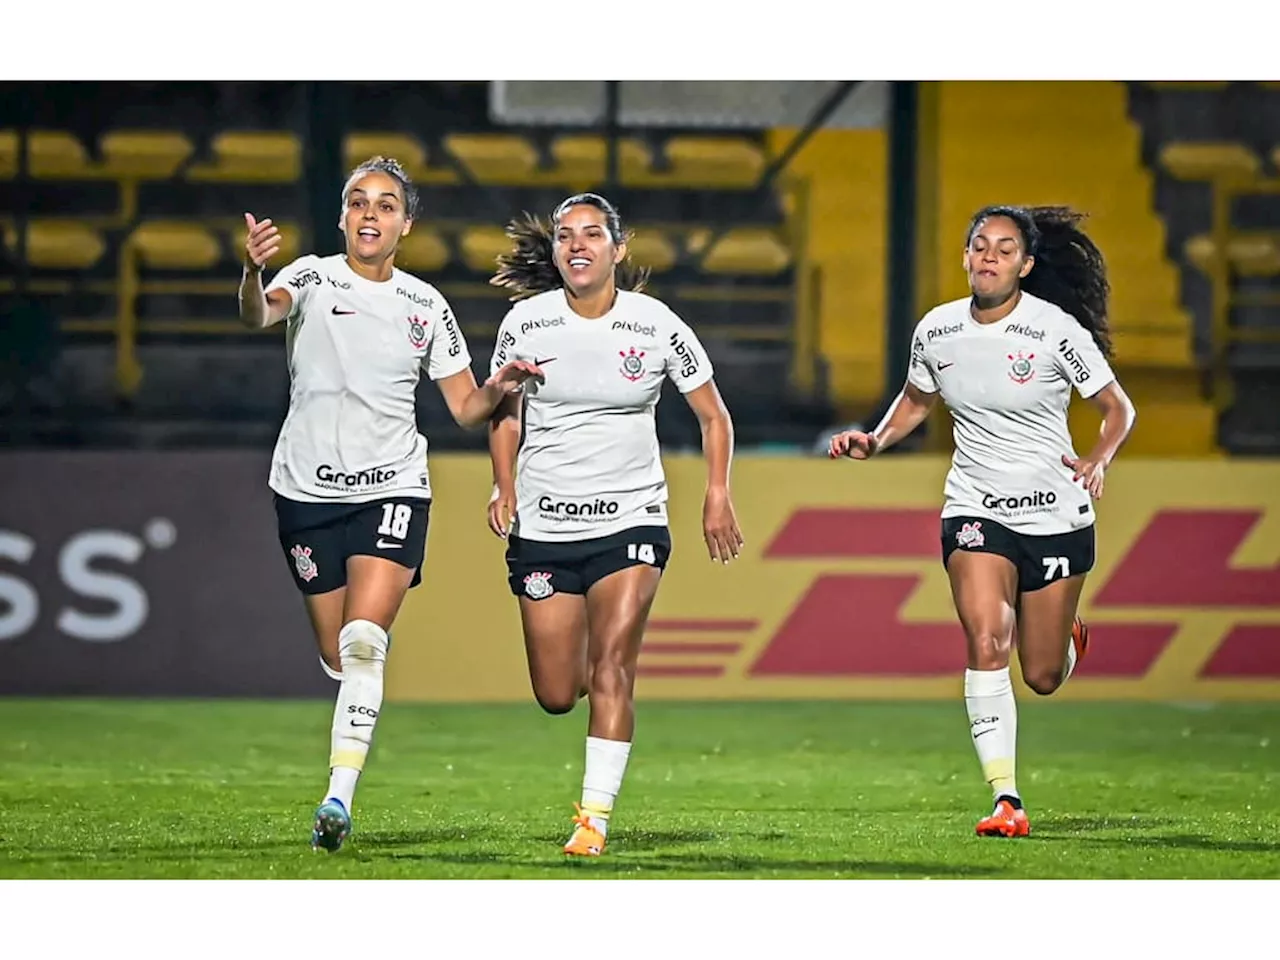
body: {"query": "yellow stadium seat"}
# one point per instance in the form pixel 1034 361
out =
pixel 1254 254
pixel 144 154
pixel 290 244
pixel 747 250
pixel 173 245
pixel 481 246
pixel 1275 156
pixel 423 250
pixel 251 157
pixel 8 154
pixel 1209 161
pixel 1199 251
pixel 58 155
pixel 59 244
pixel 715 161
pixel 404 148
pixel 581 158
pixel 494 158
pixel 649 248
pixel 1250 254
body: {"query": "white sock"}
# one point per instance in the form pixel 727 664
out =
pixel 993 724
pixel 329 672
pixel 1071 660
pixel 362 645
pixel 602 778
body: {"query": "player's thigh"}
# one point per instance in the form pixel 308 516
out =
pixel 1045 617
pixel 618 606
pixel 385 545
pixel 555 643
pixel 547 580
pixel 981 561
pixel 317 562
pixel 622 576
pixel 1052 577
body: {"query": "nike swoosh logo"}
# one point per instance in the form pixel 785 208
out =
pixel 538 363
pixel 943 366
pixel 984 732
pixel 356 724
pixel 343 313
pixel 388 545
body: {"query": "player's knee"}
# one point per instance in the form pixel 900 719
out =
pixel 555 702
pixel 990 649
pixel 362 642
pixel 610 677
pixel 1041 680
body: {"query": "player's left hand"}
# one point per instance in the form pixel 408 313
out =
pixel 1090 470
pixel 512 375
pixel 720 526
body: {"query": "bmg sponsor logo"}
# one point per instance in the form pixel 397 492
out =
pixel 543 324
pixel 504 345
pixel 577 509
pixel 1079 369
pixel 329 476
pixel 118 603
pixel 451 328
pixel 686 357
pixel 304 278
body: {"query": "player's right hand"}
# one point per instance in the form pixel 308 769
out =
pixel 262 243
pixel 502 511
pixel 853 444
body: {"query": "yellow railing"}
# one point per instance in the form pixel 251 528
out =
pixel 1224 266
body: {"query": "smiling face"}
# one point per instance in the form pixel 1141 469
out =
pixel 373 216
pixel 584 249
pixel 996 259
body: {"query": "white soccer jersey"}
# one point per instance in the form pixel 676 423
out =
pixel 1007 385
pixel 589 463
pixel 355 350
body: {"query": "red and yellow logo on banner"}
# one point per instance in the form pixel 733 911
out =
pixel 841 592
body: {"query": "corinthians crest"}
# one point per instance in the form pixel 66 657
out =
pixel 632 364
pixel 538 585
pixel 1021 369
pixel 417 332
pixel 302 562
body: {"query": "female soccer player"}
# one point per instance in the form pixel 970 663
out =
pixel 349 470
pixel 1018 518
pixel 579 489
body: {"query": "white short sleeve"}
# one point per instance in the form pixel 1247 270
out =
pixel 686 361
pixel 1080 361
pixel 447 353
pixel 299 279
pixel 504 344
pixel 919 374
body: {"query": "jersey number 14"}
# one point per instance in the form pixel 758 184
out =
pixel 642 552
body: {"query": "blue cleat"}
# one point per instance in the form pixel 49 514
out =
pixel 332 825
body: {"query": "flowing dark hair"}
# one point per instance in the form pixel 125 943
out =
pixel 530 268
pixel 1069 270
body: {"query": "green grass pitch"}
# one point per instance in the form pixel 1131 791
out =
pixel 226 789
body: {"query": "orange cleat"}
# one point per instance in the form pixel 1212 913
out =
pixel 1080 638
pixel 1006 821
pixel 586 841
